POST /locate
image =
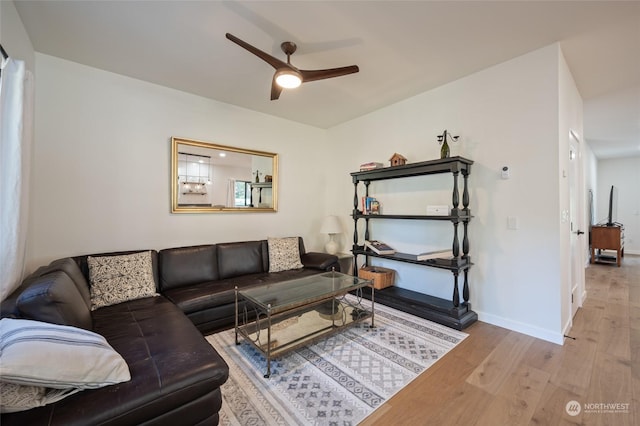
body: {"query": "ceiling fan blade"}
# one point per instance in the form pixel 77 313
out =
pixel 275 89
pixel 312 75
pixel 274 62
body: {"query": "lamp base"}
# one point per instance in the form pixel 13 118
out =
pixel 331 247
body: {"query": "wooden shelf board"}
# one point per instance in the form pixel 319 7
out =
pixel 456 264
pixel 461 215
pixel 452 164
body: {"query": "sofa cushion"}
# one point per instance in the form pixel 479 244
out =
pixel 284 254
pixel 235 259
pixel 117 279
pixel 187 265
pixel 57 356
pixel 9 309
pixel 214 293
pixel 54 298
pixel 71 268
pixel 210 306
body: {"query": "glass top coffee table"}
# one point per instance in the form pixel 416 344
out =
pixel 279 317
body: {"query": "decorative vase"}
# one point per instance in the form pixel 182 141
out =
pixel 444 151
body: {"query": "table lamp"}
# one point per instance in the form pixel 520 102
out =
pixel 331 226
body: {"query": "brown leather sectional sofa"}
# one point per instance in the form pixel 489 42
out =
pixel 175 374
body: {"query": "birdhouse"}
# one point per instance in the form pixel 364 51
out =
pixel 397 160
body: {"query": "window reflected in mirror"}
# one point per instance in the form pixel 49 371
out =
pixel 207 177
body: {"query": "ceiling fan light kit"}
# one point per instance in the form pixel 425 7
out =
pixel 288 79
pixel 287 76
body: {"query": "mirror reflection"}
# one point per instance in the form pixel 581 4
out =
pixel 208 177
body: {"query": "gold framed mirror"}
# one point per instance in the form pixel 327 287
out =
pixel 212 178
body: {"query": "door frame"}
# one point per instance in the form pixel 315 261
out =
pixel 577 223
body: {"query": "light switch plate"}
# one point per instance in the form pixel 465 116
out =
pixel 504 173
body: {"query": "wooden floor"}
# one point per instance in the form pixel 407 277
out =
pixel 500 377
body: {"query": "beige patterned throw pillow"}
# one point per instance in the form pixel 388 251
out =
pixel 14 397
pixel 284 254
pixel 116 279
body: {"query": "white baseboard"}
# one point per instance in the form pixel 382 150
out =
pixel 533 331
pixel 566 328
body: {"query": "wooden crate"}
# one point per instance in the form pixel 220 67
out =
pixel 381 277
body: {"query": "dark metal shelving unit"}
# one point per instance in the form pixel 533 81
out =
pixel 453 313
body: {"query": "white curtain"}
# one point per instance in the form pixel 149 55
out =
pixel 231 193
pixel 16 117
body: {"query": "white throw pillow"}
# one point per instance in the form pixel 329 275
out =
pixel 117 279
pixel 14 397
pixel 284 254
pixel 37 353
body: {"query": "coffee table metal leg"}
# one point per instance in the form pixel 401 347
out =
pixel 373 309
pixel 266 376
pixel 237 343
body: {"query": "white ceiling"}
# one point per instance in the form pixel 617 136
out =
pixel 402 49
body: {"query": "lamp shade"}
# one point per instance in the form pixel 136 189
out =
pixel 331 225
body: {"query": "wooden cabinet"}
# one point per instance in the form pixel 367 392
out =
pixel 607 238
pixel 455 313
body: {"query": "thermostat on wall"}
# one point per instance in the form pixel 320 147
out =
pixel 438 210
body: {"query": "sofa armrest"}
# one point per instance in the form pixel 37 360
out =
pixel 321 261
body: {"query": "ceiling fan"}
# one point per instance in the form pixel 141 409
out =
pixel 287 76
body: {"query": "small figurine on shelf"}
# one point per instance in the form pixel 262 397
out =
pixel 397 160
pixel 445 152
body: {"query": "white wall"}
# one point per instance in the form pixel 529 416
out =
pixel 505 115
pixel 99 133
pixel 624 173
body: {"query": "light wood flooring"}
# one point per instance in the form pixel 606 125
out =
pixel 500 377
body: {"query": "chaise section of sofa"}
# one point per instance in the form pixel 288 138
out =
pixel 175 374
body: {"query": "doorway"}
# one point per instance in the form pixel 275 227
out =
pixel 576 228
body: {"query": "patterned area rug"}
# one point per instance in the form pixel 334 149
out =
pixel 339 380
